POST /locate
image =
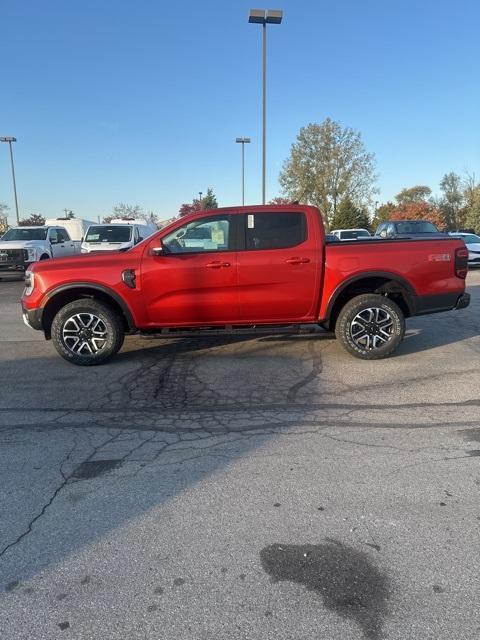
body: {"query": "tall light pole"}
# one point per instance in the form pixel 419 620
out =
pixel 243 142
pixel 264 17
pixel 11 139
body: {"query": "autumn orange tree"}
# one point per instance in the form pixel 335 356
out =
pixel 418 211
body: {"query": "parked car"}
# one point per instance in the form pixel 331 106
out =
pixel 350 234
pixel 406 229
pixel 472 242
pixel 119 235
pixel 329 237
pixel 252 269
pixel 21 246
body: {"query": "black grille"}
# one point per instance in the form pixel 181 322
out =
pixel 19 255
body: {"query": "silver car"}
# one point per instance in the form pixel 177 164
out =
pixel 472 242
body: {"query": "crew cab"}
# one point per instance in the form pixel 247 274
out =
pixel 21 246
pixel 246 269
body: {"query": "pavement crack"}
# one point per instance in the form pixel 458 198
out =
pixel 317 368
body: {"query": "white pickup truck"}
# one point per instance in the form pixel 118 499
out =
pixel 21 246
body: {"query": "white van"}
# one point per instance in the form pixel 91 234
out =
pixel 76 227
pixel 116 235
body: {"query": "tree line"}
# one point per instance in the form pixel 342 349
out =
pixel 329 167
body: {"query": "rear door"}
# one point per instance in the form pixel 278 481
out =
pixel 194 280
pixel 278 267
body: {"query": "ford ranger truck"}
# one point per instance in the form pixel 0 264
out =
pixel 247 269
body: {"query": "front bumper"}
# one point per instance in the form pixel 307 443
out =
pixel 14 266
pixel 32 317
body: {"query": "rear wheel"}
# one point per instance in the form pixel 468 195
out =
pixel 87 332
pixel 370 326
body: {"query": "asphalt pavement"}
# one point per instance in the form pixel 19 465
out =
pixel 241 488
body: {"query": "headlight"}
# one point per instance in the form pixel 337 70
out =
pixel 82 250
pixel 32 254
pixel 29 283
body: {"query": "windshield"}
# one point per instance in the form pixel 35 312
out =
pixel 20 234
pixel 109 233
pixel 354 234
pixel 416 226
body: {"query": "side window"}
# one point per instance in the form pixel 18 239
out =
pixel 207 234
pixel 390 230
pixel 136 235
pixel 62 235
pixel 382 230
pixel 53 236
pixel 275 230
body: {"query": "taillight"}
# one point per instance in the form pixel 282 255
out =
pixel 461 263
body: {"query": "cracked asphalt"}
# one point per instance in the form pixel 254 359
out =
pixel 241 488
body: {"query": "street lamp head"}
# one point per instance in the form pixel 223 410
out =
pixel 263 16
pixel 257 16
pixel 273 16
pixel 243 140
pixel 7 139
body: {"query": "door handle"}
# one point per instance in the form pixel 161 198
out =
pixel 297 260
pixel 217 264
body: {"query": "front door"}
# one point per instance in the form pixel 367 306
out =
pixel 56 244
pixel 194 280
pixel 278 268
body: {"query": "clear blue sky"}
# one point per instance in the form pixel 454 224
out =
pixel 141 101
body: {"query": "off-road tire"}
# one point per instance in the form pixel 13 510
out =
pixel 114 334
pixel 348 321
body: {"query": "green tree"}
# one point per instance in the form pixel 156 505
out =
pixel 349 216
pixel 382 213
pixel 210 200
pixel 419 193
pixel 327 163
pixel 471 209
pixel 452 201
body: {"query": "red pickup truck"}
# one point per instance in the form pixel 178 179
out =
pixel 244 269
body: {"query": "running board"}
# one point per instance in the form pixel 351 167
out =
pixel 229 330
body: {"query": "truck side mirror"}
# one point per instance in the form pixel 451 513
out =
pixel 157 251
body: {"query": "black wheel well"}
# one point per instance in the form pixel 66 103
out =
pixel 391 288
pixel 60 299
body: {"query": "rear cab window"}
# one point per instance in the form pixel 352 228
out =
pixel 274 230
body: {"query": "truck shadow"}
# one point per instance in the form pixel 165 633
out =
pixel 152 423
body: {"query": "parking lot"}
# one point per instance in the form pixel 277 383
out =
pixel 230 488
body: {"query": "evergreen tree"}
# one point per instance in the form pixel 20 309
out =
pixel 349 216
pixel 210 200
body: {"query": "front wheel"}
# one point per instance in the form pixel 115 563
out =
pixel 370 326
pixel 87 332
